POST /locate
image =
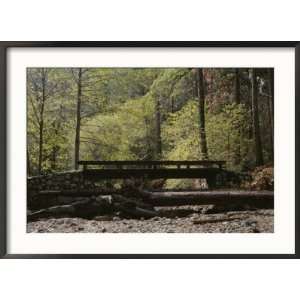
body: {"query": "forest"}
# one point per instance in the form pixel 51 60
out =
pixel 191 118
pixel 149 114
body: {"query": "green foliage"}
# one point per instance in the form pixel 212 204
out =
pixel 119 110
pixel 180 134
pixel 125 134
pixel 227 135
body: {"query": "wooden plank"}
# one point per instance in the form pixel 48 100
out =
pixel 208 173
pixel 152 163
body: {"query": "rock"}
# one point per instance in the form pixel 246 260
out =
pixel 103 218
pixel 104 198
pixel 103 229
pixel 60 221
pixel 249 223
pixel 208 209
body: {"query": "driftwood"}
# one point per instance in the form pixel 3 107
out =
pixel 261 199
pixel 138 203
pixel 77 193
pixel 92 207
pixel 49 198
pixel 226 219
pixel 134 209
pixel 85 208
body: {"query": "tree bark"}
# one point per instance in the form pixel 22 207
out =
pixel 237 99
pixel 41 122
pixel 253 198
pixel 271 107
pixel 158 128
pixel 172 105
pixel 201 108
pixel 89 208
pixel 255 121
pixel 237 94
pixel 48 198
pixel 78 119
pixel 29 171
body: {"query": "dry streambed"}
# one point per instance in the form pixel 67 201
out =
pixel 189 219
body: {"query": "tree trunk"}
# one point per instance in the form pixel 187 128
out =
pixel 158 128
pixel 271 108
pixel 256 127
pixel 253 198
pixel 195 85
pixel 41 123
pixel 201 104
pixel 172 105
pixel 237 94
pixel 54 157
pixel 29 171
pixel 249 103
pixel 78 119
pixel 237 99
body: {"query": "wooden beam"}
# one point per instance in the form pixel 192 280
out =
pixel 263 199
pixel 219 163
pixel 155 173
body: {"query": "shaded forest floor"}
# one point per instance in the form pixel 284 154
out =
pixel 186 219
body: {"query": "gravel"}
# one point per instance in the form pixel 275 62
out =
pixel 188 219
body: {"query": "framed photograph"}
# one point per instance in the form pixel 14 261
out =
pixel 149 149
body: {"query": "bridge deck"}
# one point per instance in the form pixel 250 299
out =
pixel 154 164
pixel 151 173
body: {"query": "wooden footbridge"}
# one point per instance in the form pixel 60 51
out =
pixel 208 169
pixel 136 202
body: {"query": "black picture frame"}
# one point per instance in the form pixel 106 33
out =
pixel 51 44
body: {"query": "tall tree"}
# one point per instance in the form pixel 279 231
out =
pixel 158 127
pixel 237 93
pixel 255 120
pixel 78 79
pixel 271 105
pixel 39 91
pixel 28 162
pixel 237 100
pixel 43 99
pixel 201 108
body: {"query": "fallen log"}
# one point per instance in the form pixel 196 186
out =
pixel 83 208
pixel 261 199
pixel 218 220
pixel 131 208
pixel 91 207
pixel 48 198
pixel 77 193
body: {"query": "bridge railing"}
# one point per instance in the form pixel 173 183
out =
pixel 151 164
